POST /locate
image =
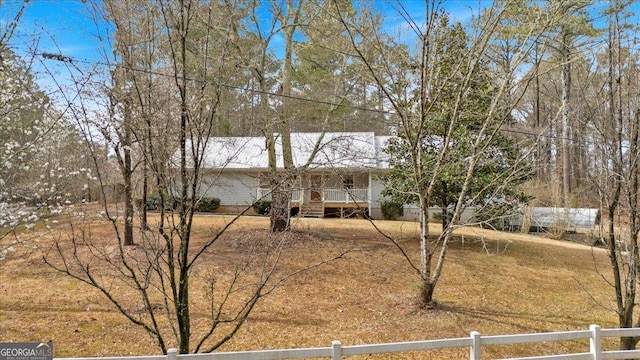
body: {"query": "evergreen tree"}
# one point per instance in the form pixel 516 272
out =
pixel 500 155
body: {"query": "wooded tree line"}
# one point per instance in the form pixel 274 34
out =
pixel 528 101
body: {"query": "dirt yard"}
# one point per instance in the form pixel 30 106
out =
pixel 494 283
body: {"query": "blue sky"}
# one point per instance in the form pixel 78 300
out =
pixel 66 26
pixel 62 26
pixel 53 26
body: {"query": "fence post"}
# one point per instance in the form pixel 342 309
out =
pixel 172 354
pixel 337 350
pixel 475 346
pixel 595 342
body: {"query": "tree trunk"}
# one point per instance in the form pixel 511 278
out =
pixel 614 201
pixel 628 343
pixel 183 313
pixel 127 174
pixel 281 192
pixel 427 286
pixel 540 159
pixel 128 213
pixel 280 213
pixel 566 84
pixel 426 293
pixel 145 190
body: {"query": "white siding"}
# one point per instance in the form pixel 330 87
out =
pixel 231 188
pixel 376 197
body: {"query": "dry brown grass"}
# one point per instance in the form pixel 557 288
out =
pixel 493 283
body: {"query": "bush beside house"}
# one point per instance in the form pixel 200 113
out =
pixel 262 207
pixel 205 204
pixel 391 210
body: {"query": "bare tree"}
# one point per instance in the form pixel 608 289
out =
pixel 447 72
pixel 616 162
pixel 281 86
pixel 177 51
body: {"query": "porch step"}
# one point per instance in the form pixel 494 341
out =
pixel 312 209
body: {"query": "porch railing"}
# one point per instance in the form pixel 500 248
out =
pixel 328 195
pixel 346 195
pixel 265 194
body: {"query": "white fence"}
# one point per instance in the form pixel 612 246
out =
pixel 474 342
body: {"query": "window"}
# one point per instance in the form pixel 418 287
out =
pixel 347 181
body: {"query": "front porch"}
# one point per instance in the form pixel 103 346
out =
pixel 318 202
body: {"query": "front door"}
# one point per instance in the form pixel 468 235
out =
pixel 316 187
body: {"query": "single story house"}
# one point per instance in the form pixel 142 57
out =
pixel 340 179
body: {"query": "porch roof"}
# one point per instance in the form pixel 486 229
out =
pixel 343 150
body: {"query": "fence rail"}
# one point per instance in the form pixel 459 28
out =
pixel 474 342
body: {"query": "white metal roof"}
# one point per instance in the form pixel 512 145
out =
pixel 552 216
pixel 574 217
pixel 347 150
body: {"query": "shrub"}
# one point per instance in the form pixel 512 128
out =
pixel 391 209
pixel 558 229
pixel 208 204
pixel 437 216
pixel 262 207
pixel 153 201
